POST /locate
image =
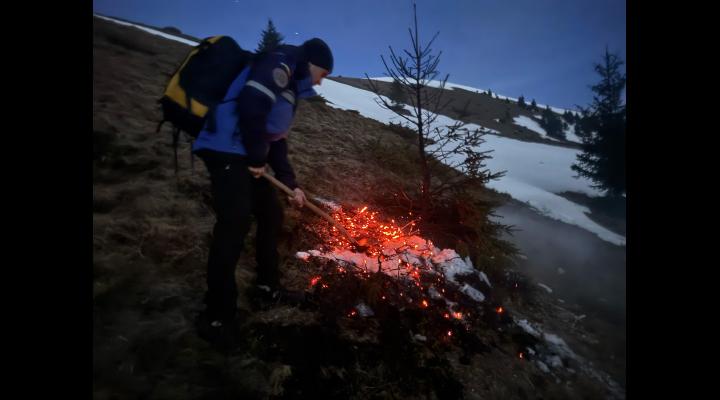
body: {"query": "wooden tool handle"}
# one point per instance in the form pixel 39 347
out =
pixel 310 205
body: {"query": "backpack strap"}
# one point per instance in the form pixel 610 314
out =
pixel 210 119
pixel 176 136
pixel 157 130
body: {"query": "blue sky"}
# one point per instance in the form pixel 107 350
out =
pixel 542 49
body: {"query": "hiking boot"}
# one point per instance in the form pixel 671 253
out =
pixel 222 335
pixel 266 296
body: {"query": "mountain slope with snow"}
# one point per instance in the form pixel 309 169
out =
pixel 478 107
pixel 450 85
pixel 536 172
pixel 155 32
pixel 150 243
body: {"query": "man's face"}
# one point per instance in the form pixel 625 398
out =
pixel 318 73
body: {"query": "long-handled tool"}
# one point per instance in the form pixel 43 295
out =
pixel 317 211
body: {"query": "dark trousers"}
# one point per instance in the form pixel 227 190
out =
pixel 237 195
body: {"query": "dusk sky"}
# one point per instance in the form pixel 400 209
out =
pixel 542 49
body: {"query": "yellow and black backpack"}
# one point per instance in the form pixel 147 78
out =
pixel 199 84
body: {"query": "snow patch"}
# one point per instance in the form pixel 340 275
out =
pixel 151 31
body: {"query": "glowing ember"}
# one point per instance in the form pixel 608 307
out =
pixel 521 355
pixel 418 269
pixel 369 231
pixel 500 310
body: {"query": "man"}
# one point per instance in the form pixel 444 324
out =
pixel 243 135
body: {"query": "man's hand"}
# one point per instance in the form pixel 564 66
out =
pixel 299 198
pixel 257 172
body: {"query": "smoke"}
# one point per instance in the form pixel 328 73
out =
pixel 579 267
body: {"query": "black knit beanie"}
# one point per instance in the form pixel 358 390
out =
pixel 319 53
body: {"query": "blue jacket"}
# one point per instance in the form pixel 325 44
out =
pixel 257 111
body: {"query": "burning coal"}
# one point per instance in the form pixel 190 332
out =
pixel 414 272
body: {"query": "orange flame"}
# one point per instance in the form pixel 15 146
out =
pixel 363 223
pixel 387 241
